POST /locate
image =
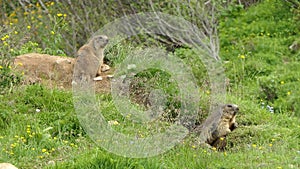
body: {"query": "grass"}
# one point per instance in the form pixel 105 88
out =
pixel 34 138
pixel 39 127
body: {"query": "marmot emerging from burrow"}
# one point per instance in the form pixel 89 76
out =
pixel 213 132
pixel 89 62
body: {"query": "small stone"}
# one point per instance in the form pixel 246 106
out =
pixel 98 78
pixel 51 162
pixel 7 166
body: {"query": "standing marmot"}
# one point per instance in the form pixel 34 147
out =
pixel 89 62
pixel 213 132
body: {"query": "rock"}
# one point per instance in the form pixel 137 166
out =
pixel 53 71
pixel 295 46
pixel 7 166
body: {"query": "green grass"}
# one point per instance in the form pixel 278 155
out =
pixel 39 127
pixel 263 139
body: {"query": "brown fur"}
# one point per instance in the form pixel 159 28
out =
pixel 89 62
pixel 213 132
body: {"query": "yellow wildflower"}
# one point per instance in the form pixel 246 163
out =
pixel 59 14
pixel 282 82
pixel 4 37
pixel 13 14
pixel 288 93
pixel 52 32
pixel 242 56
pixel 28 27
pixel 113 122
pixel 1 67
pixel 15 20
pixel 44 150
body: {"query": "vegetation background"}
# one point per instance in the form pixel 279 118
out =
pixel 259 49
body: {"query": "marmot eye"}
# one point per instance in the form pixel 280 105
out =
pixel 229 105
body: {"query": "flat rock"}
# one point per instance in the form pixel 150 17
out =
pixel 52 71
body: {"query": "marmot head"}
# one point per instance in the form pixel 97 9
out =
pixel 99 42
pixel 230 110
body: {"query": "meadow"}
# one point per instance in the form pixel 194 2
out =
pixel 39 127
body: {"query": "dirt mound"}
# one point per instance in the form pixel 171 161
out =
pixel 52 71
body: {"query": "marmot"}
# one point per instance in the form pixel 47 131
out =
pixel 213 132
pixel 89 62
